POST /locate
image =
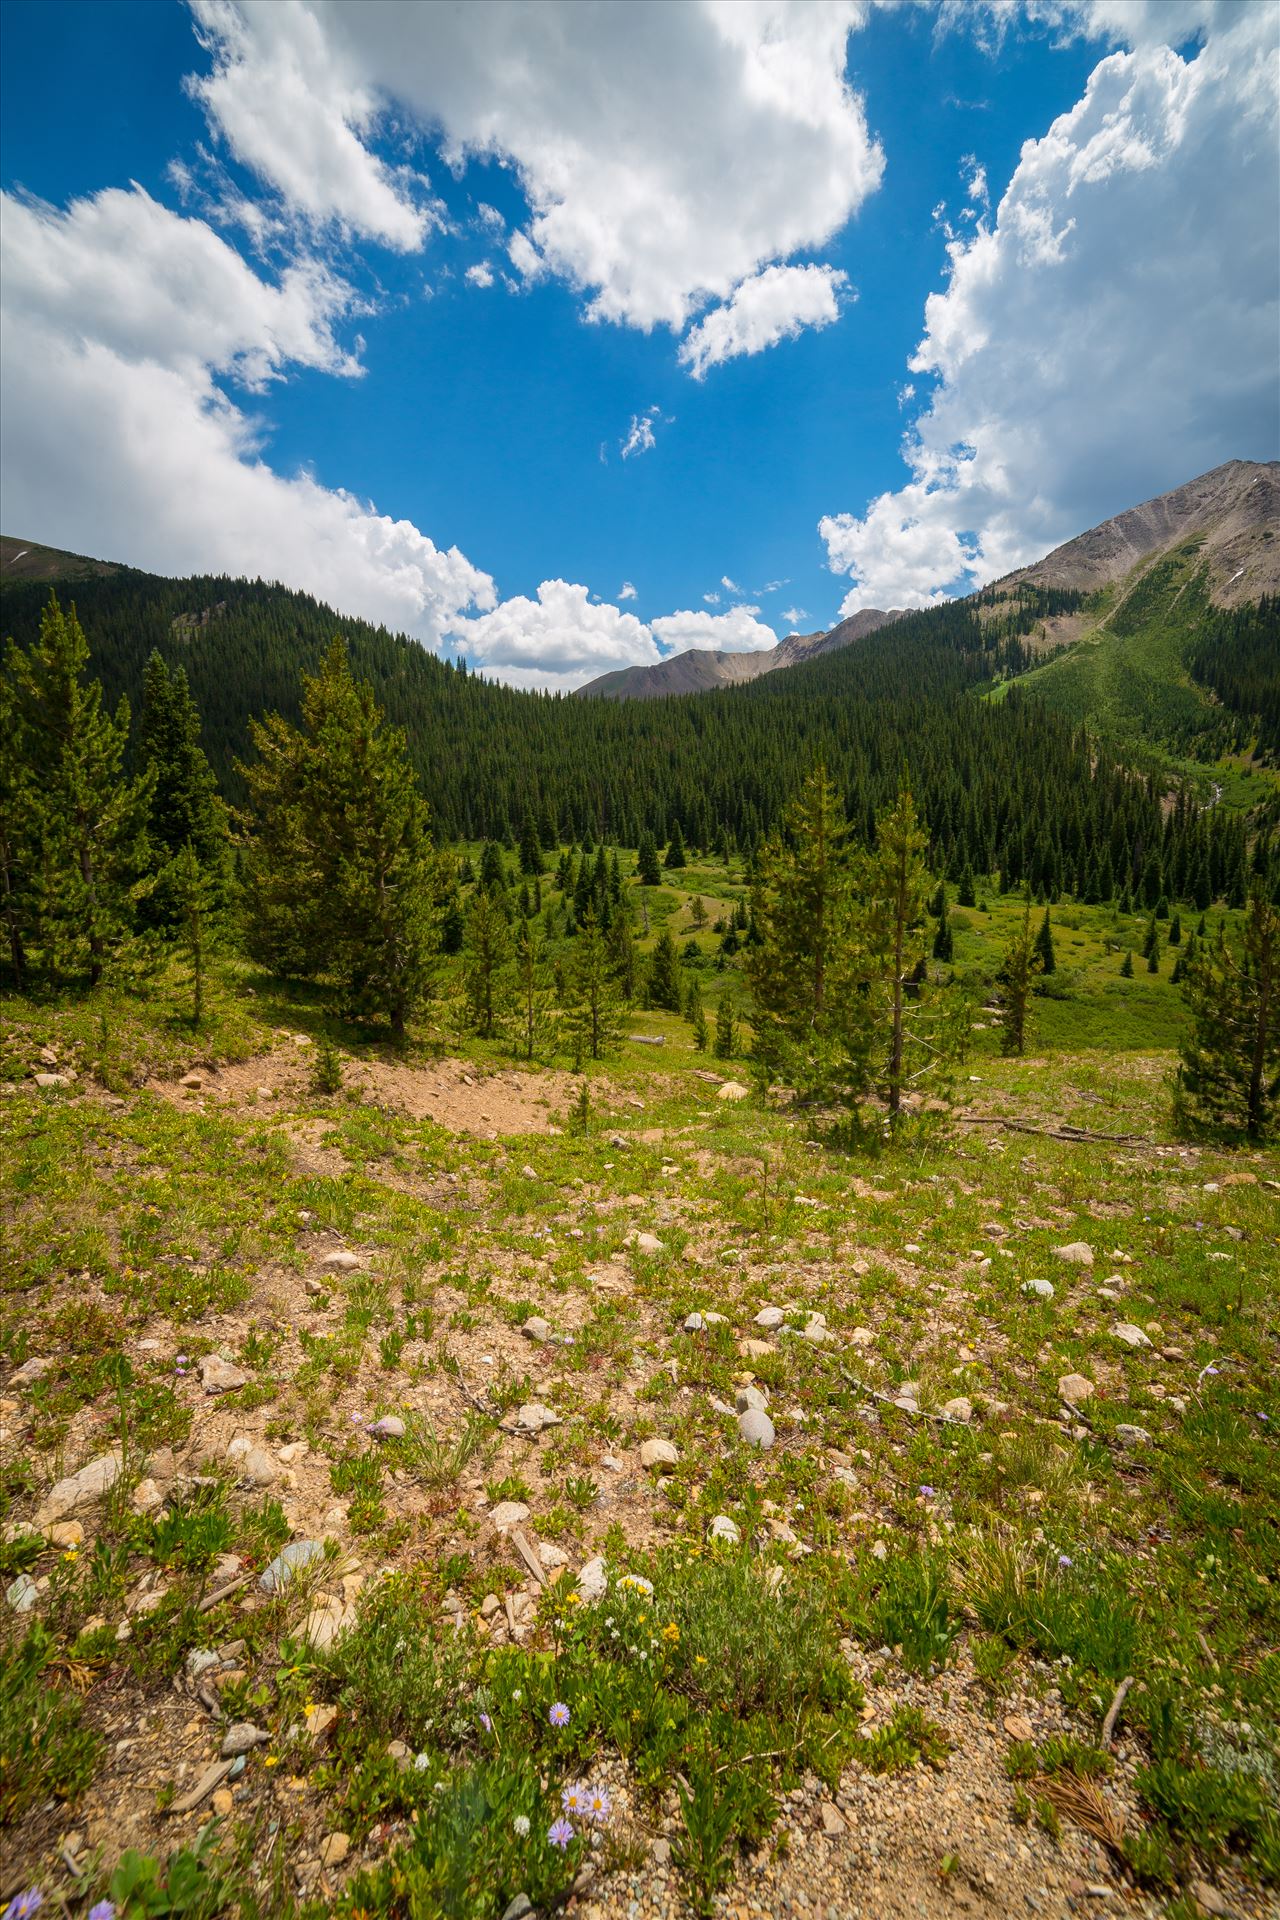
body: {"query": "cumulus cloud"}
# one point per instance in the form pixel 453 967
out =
pixel 118 440
pixel 666 154
pixel 481 275
pixel 775 304
pixel 627 591
pixel 793 616
pixel 561 639
pixel 737 631
pixel 1112 333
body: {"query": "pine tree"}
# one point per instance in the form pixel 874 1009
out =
pixel 944 941
pixel 532 995
pixel 696 1014
pixel 493 868
pixel 698 912
pixel 1044 945
pixel 341 877
pixel 676 857
pixel 486 960
pixel 530 847
pixel 19 857
pixel 664 974
pixel 966 895
pixel 647 868
pixel 595 1009
pixel 1126 965
pixel 726 1026
pixel 1150 939
pixel 197 896
pixel 895 886
pixel 1018 970
pixel 1229 1074
pixel 185 810
pixel 88 824
pixel 1175 930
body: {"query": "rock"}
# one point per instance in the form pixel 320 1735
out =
pixel 219 1376
pixel 223 1802
pixel 959 1410
pixel 747 1397
pixel 1202 1893
pixel 536 1328
pixel 389 1427
pixel 817 1334
pixel 52 1079
pixel 756 1428
pixel 1075 1389
pixel 1132 1436
pixel 1076 1253
pixel 593 1580
pixel 79 1492
pixel 648 1243
pixel 1042 1289
pixel 327 1622
pixel 199 1661
pixel 723 1528
pixel 342 1260
pixel 694 1323
pixel 527 1172
pixel 519 1909
pixel 658 1453
pixel 313 1288
pixel 22 1594
pixel 833 1820
pixel 732 1090
pixel 552 1556
pixel 862 1337
pixel 29 1372
pixel 298 1553
pixel 1124 1330
pixel 770 1318
pixel 67 1533
pixel 509 1513
pixel 320 1722
pixel 334 1849
pixel 659 1853
pixel 533 1417
pixel 242 1738
pixel 1018 1727
pixel 147 1497
pixel 192 1082
pixel 755 1349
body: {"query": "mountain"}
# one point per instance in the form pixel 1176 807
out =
pixel 28 560
pixel 698 670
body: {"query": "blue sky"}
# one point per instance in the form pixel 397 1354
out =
pixel 240 332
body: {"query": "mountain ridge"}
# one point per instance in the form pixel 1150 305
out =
pixel 698 669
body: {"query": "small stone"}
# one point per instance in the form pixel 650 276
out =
pixel 1077 1253
pixel 519 1909
pixel 298 1554
pixel 1042 1289
pixel 959 1410
pixel 22 1594
pixel 723 1528
pixel 527 1172
pixel 327 1622
pixel 648 1243
pixel 1202 1893
pixel 817 1334
pixel 1018 1727
pixel 756 1428
pixel 658 1453
pixel 258 1468
pixel 593 1580
pixel 295 1451
pixel 659 1853
pixel 509 1513
pixel 770 1318
pixel 1124 1330
pixel 1132 1436
pixel 833 1820
pixel 694 1323
pixel 80 1491
pixel 732 1090
pixel 147 1497
pixel 489 1606
pixel 552 1556
pixel 52 1079
pixel 534 1418
pixel 755 1349
pixel 67 1533
pixel 30 1371
pixel 1075 1389
pixel 223 1802
pixel 242 1738
pixel 861 1337
pixel 219 1376
pixel 192 1082
pixel 334 1849
pixel 320 1722
pixel 199 1661
pixel 342 1260
pixel 536 1328
pixel 389 1427
pixel 747 1397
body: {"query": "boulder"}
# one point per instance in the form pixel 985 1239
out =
pixel 1129 1335
pixel 592 1581
pixel 756 1428
pixel 648 1243
pixel 1041 1289
pixel 747 1397
pixel 79 1492
pixel 1076 1253
pixel 723 1528
pixel 341 1261
pixel 220 1376
pixel 770 1318
pixel 533 1417
pixel 326 1622
pixel 732 1090
pixel 147 1497
pixel 658 1453
pixel 1075 1389
pixel 52 1079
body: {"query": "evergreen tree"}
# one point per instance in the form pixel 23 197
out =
pixel 966 895
pixel 530 847
pixel 1126 965
pixel 647 868
pixel 341 877
pixel 1044 945
pixel 532 995
pixel 185 809
pixel 493 868
pixel 86 825
pixel 1018 970
pixel 895 886
pixel 696 1014
pixel 726 1026
pixel 486 960
pixel 664 974
pixel 620 941
pixel 595 1008
pixel 18 847
pixel 1175 930
pixel 676 857
pixel 698 912
pixel 944 940
pixel 1150 939
pixel 451 923
pixel 1229 1074
pixel 197 897
pixel 1153 960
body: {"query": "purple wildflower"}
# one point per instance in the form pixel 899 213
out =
pixel 486 1723
pixel 102 1911
pixel 928 1492
pixel 559 1714
pixel 599 1806
pixel 1065 1560
pixel 24 1904
pixel 560 1833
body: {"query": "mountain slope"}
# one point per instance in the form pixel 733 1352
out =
pixel 698 670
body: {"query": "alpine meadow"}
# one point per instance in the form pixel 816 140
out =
pixel 639 1228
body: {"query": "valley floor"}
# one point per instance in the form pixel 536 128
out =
pixel 1020 1396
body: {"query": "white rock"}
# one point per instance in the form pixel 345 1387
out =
pixel 341 1261
pixel 648 1243
pixel 1124 1330
pixel 552 1556
pixel 219 1376
pixel 30 1371
pixel 817 1334
pixel 297 1554
pixel 723 1528
pixel 862 1337
pixel 1074 1389
pixel 52 1079
pixel 509 1513
pixel 746 1397
pixel 536 1328
pixel 22 1594
pixel 732 1090
pixel 770 1317
pixel 593 1580
pixel 1042 1289
pixel 79 1492
pixel 147 1497
pixel 327 1622
pixel 242 1737
pixel 533 1417
pixel 1077 1253
pixel 756 1428
pixel 959 1410
pixel 389 1427
pixel 295 1451
pixel 694 1323
pixel 1133 1436
pixel 658 1453
pixel 258 1468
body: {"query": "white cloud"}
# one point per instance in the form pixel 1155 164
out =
pixel 639 438
pixel 666 153
pixel 481 275
pixel 712 599
pixel 793 616
pixel 627 591
pixel 730 586
pixel 293 105
pixel 737 631
pixel 1113 333
pixel 775 304
pixel 561 639
pixel 118 441
pixel 490 218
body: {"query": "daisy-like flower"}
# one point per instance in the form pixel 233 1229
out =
pixel 102 1911
pixel 559 1714
pixel 560 1833
pixel 573 1798
pixel 24 1904
pixel 1065 1560
pixel 671 1632
pixel 486 1723
pixel 598 1807
pixel 928 1492
pixel 520 1826
pixel 421 1761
